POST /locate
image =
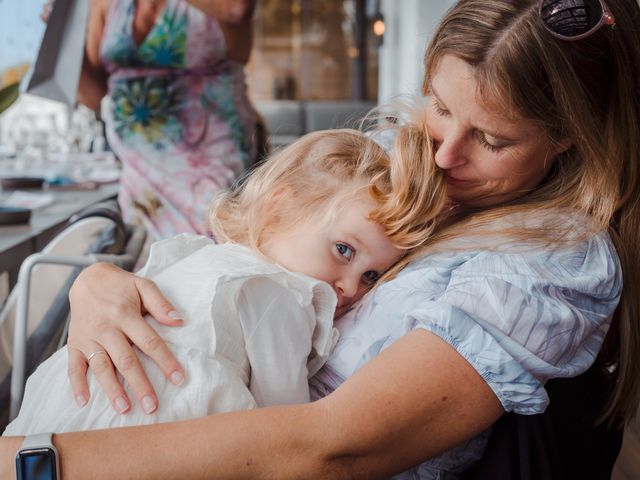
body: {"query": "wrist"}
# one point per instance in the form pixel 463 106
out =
pixel 8 448
pixel 37 458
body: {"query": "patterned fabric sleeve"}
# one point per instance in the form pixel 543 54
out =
pixel 523 318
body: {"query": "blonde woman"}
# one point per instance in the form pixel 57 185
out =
pixel 534 126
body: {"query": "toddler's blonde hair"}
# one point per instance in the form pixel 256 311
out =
pixel 323 170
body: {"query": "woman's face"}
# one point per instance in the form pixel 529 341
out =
pixel 487 158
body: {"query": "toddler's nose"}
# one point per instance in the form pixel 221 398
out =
pixel 346 287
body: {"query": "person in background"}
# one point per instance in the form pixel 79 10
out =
pixel 533 110
pixel 177 116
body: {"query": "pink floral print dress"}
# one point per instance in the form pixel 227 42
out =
pixel 178 116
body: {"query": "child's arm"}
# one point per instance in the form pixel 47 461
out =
pixel 280 327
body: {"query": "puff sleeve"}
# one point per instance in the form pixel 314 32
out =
pixel 523 318
pixel 288 326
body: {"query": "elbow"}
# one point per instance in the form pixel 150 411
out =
pixel 90 103
pixel 348 466
pixel 341 454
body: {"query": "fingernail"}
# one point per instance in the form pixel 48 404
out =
pixel 121 405
pixel 176 378
pixel 148 404
pixel 81 400
pixel 175 315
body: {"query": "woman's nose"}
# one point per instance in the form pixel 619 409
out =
pixel 449 152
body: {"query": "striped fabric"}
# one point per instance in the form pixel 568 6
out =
pixel 519 316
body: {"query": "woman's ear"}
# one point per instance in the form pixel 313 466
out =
pixel 562 146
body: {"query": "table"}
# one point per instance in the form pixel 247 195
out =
pixel 19 241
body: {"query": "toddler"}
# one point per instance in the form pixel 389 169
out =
pixel 305 236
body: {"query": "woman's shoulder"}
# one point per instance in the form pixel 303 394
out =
pixel 505 285
pixel 542 311
pixel 571 241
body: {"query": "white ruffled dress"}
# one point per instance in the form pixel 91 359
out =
pixel 253 335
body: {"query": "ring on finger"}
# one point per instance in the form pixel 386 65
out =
pixel 93 354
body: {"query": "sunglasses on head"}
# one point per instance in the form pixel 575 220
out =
pixel 574 19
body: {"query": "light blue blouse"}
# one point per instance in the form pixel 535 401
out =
pixel 520 316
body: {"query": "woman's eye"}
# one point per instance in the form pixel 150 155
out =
pixel 345 250
pixel 438 109
pixel 370 277
pixel 488 145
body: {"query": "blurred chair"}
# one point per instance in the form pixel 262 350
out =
pixel 284 121
pixel 287 120
pixel 335 114
pixel 34 319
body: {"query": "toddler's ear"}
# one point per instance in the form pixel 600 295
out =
pixel 282 191
pixel 278 198
pixel 277 203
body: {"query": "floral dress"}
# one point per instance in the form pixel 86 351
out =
pixel 178 116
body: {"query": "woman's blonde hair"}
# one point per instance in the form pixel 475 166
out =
pixel 317 174
pixel 587 91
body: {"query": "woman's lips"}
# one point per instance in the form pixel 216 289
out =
pixel 453 181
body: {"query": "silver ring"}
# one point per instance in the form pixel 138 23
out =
pixel 93 354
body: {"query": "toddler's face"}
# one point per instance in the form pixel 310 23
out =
pixel 349 253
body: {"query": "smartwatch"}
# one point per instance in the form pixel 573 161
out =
pixel 37 459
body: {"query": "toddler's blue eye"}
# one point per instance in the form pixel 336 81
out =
pixel 370 277
pixel 345 250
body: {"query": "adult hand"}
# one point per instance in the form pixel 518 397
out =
pixel 107 305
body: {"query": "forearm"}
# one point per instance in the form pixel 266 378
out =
pixel 92 87
pixel 8 448
pixel 258 444
pixel 287 442
pixel 387 417
pixel 93 78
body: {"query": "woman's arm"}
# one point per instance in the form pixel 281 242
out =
pixel 93 78
pixel 415 400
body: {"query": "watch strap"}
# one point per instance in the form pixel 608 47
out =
pixel 33 443
pixel 38 440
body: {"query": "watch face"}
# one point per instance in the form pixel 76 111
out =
pixel 37 464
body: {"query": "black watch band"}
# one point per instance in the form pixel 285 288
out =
pixel 37 459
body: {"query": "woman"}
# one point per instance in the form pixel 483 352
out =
pixel 178 115
pixel 535 129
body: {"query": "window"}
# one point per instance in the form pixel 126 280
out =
pixel 314 50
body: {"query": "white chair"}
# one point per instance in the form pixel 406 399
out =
pixel 33 322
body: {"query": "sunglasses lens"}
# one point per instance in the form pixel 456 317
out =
pixel 570 18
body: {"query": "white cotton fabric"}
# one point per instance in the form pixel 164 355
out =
pixel 253 335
